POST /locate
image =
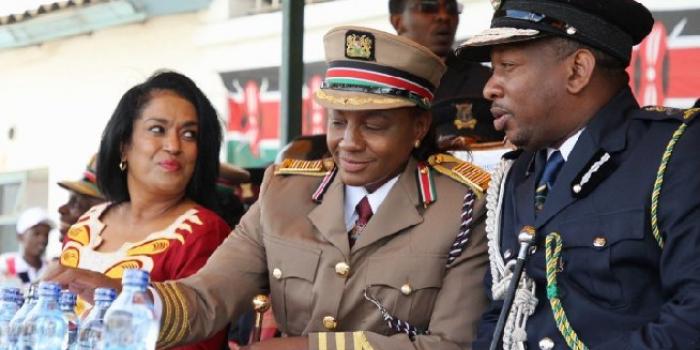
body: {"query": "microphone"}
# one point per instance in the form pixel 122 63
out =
pixel 526 237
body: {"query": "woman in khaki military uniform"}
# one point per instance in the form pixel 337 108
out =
pixel 380 247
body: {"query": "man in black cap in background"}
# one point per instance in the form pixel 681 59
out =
pixel 460 113
pixel 609 190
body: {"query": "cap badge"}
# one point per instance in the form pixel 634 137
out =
pixel 496 4
pixel 465 116
pixel 359 45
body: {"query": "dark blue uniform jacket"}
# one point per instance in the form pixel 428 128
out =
pixel 627 293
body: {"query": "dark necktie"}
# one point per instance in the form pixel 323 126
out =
pixel 364 212
pixel 549 175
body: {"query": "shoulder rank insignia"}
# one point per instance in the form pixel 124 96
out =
pixel 684 115
pixel 461 171
pixel 318 167
pixel 662 109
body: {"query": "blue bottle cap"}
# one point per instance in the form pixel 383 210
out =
pixel 49 289
pixel 68 298
pixel 135 277
pixel 9 294
pixel 105 294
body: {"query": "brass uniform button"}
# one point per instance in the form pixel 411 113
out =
pixel 277 273
pixel 330 323
pixel 546 344
pixel 406 289
pixel 600 242
pixel 342 269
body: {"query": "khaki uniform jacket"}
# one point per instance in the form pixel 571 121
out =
pixel 292 245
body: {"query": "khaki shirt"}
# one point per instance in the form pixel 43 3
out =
pixel 293 246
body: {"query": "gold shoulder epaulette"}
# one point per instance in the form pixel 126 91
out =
pixel 318 167
pixel 461 171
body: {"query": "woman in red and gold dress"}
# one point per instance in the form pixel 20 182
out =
pixel 157 166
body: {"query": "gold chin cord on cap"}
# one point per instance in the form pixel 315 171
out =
pixel 261 303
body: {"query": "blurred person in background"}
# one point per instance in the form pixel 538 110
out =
pixel 158 165
pixel 460 112
pixel 230 206
pixel 26 265
pixel 83 195
pixel 385 230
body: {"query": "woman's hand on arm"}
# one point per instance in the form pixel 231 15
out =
pixel 79 281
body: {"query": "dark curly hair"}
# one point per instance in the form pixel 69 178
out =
pixel 117 134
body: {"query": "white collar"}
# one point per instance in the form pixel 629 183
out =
pixel 354 194
pixel 567 146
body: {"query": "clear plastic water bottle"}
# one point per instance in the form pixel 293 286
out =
pixel 44 327
pixel 67 304
pixel 130 323
pixel 8 309
pixel 32 296
pixel 90 335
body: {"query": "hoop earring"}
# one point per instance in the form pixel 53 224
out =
pixel 122 165
pixel 416 144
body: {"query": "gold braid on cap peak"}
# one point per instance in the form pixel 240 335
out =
pixel 464 172
pixel 358 100
pixel 318 167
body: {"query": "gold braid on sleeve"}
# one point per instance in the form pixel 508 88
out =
pixel 174 319
pixel 339 340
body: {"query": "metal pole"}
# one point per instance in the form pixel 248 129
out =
pixel 292 69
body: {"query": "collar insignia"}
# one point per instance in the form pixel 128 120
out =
pixel 597 169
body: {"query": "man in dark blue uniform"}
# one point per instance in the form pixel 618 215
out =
pixel 610 189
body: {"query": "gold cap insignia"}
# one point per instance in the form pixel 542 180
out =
pixel 359 45
pixel 465 116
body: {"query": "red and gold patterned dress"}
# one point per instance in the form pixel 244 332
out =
pixel 172 253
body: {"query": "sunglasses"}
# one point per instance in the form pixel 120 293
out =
pixel 433 6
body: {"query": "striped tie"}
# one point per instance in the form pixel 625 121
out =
pixel 549 175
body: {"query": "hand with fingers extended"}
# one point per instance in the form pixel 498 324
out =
pixel 79 281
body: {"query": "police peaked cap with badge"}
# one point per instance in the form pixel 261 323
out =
pixel 612 26
pixel 372 69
